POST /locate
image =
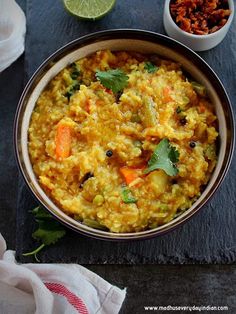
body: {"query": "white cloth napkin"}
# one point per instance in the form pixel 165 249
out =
pixel 12 32
pixel 53 288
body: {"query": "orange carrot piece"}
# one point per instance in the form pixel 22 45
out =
pixel 109 91
pixel 201 108
pixel 99 102
pixel 131 174
pixel 166 95
pixel 63 141
pixel 87 106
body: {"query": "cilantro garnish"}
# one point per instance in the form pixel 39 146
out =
pixel 49 230
pixel 150 67
pixel 75 74
pixel 75 71
pixel 164 157
pixel 178 110
pixel 127 196
pixel 72 89
pixel 76 80
pixel 116 80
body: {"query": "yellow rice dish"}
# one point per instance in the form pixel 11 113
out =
pixel 122 141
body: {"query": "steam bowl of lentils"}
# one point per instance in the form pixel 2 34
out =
pixel 199 24
pixel 122 134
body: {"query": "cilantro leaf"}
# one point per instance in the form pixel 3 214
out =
pixel 72 89
pixel 164 157
pixel 150 67
pixel 127 196
pixel 116 80
pixel 75 71
pixel 178 110
pixel 40 213
pixel 49 230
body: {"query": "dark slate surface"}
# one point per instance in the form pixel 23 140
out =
pixel 11 86
pixel 146 284
pixel 210 236
pixel 9 172
pixel 161 285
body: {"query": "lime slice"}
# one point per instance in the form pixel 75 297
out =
pixel 89 9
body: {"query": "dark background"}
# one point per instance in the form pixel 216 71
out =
pixel 213 227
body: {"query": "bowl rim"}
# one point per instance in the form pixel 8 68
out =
pixel 206 36
pixel 145 36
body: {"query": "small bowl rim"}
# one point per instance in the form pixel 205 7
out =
pixel 189 35
pixel 125 34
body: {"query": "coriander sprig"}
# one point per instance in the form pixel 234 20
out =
pixel 150 67
pixel 164 157
pixel 49 230
pixel 116 79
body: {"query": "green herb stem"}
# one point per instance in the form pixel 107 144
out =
pixel 35 252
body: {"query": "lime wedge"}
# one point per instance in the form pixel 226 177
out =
pixel 89 9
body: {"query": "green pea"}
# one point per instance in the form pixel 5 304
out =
pixel 98 200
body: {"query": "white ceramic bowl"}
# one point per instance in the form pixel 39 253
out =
pixel 195 42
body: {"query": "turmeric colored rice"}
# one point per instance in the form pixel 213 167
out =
pixel 91 146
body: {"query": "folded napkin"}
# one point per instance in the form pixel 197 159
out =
pixel 12 32
pixel 53 288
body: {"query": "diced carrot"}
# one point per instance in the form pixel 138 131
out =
pixel 99 102
pixel 131 174
pixel 63 141
pixel 109 91
pixel 166 95
pixel 201 108
pixel 87 106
